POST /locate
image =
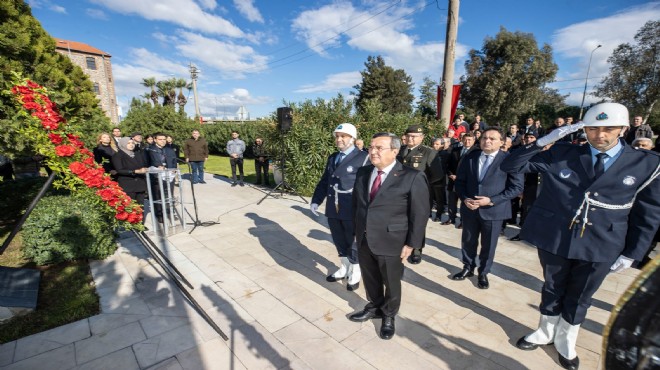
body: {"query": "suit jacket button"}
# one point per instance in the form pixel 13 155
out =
pixel 596 194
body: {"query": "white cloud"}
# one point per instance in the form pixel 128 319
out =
pixel 208 4
pixel 96 13
pixel 232 60
pixel 186 13
pixel 383 30
pixel 248 10
pixel 333 83
pixel 128 77
pixel 576 42
pixel 58 9
pixel 226 104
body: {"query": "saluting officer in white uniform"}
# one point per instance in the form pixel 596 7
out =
pixel 336 185
pixel 597 212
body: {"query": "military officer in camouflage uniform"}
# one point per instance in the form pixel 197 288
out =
pixel 419 157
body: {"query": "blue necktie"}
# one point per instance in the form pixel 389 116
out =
pixel 340 157
pixel 484 168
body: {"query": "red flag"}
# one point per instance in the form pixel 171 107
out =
pixel 455 94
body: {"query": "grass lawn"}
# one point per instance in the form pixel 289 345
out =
pixel 219 165
pixel 66 291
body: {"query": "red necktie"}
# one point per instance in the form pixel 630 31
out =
pixel 375 186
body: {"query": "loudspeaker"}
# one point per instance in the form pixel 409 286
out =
pixel 284 118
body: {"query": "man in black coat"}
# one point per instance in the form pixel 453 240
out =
pixel 438 176
pixel 486 192
pixel 391 210
pixel 161 156
pixel 457 153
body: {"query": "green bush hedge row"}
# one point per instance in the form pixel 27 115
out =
pixel 66 228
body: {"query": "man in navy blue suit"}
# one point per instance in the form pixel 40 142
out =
pixel 486 192
pixel 597 212
pixel 336 185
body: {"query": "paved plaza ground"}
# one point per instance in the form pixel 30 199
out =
pixel 260 274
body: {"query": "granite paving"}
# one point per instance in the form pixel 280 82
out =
pixel 259 274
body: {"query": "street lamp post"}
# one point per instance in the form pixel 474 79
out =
pixel 586 79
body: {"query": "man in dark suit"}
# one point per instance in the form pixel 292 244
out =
pixel 161 156
pixel 336 185
pixel 486 192
pixel 419 157
pixel 457 153
pixel 391 209
pixel 597 212
pixel 438 177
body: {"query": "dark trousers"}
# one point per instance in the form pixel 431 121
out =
pixel 261 168
pixel 197 171
pixel 526 206
pixel 452 207
pixel 381 276
pixel 569 285
pixel 236 162
pixel 475 227
pixel 439 194
pixel 343 235
pixel 515 208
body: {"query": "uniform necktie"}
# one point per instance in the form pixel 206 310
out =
pixel 599 167
pixel 375 186
pixel 340 157
pixel 484 168
pixel 463 151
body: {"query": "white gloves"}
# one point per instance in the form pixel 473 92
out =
pixel 314 208
pixel 558 133
pixel 621 263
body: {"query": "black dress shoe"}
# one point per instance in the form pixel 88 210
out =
pixel 515 238
pixel 332 279
pixel 525 345
pixel 365 315
pixel 482 282
pixel 448 222
pixel 466 272
pixel 352 287
pixel 460 225
pixel 415 259
pixel 234 184
pixel 387 328
pixel 573 364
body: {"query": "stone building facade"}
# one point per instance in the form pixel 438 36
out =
pixel 97 65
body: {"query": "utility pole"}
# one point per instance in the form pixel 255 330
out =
pixel 194 72
pixel 448 68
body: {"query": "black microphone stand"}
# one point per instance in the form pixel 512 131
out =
pixel 196 222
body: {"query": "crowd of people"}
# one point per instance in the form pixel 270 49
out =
pixel 583 193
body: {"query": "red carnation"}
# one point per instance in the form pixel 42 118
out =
pixel 122 216
pixel 31 105
pixel 33 84
pixel 77 168
pixel 55 139
pixel 65 150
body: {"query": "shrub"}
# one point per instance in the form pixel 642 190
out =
pixel 65 228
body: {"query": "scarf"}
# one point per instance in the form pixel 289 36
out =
pixel 123 142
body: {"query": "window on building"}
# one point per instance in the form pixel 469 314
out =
pixel 97 89
pixel 91 63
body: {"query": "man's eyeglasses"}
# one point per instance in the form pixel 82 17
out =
pixel 379 149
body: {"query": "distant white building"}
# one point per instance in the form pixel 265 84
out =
pixel 242 114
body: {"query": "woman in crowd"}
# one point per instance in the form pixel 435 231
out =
pixel 149 139
pixel 105 149
pixel 131 170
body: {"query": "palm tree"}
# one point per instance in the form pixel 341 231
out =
pixel 167 91
pixel 150 82
pixel 181 99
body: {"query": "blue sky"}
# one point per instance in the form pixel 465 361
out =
pixel 259 53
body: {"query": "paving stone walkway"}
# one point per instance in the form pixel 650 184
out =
pixel 260 274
